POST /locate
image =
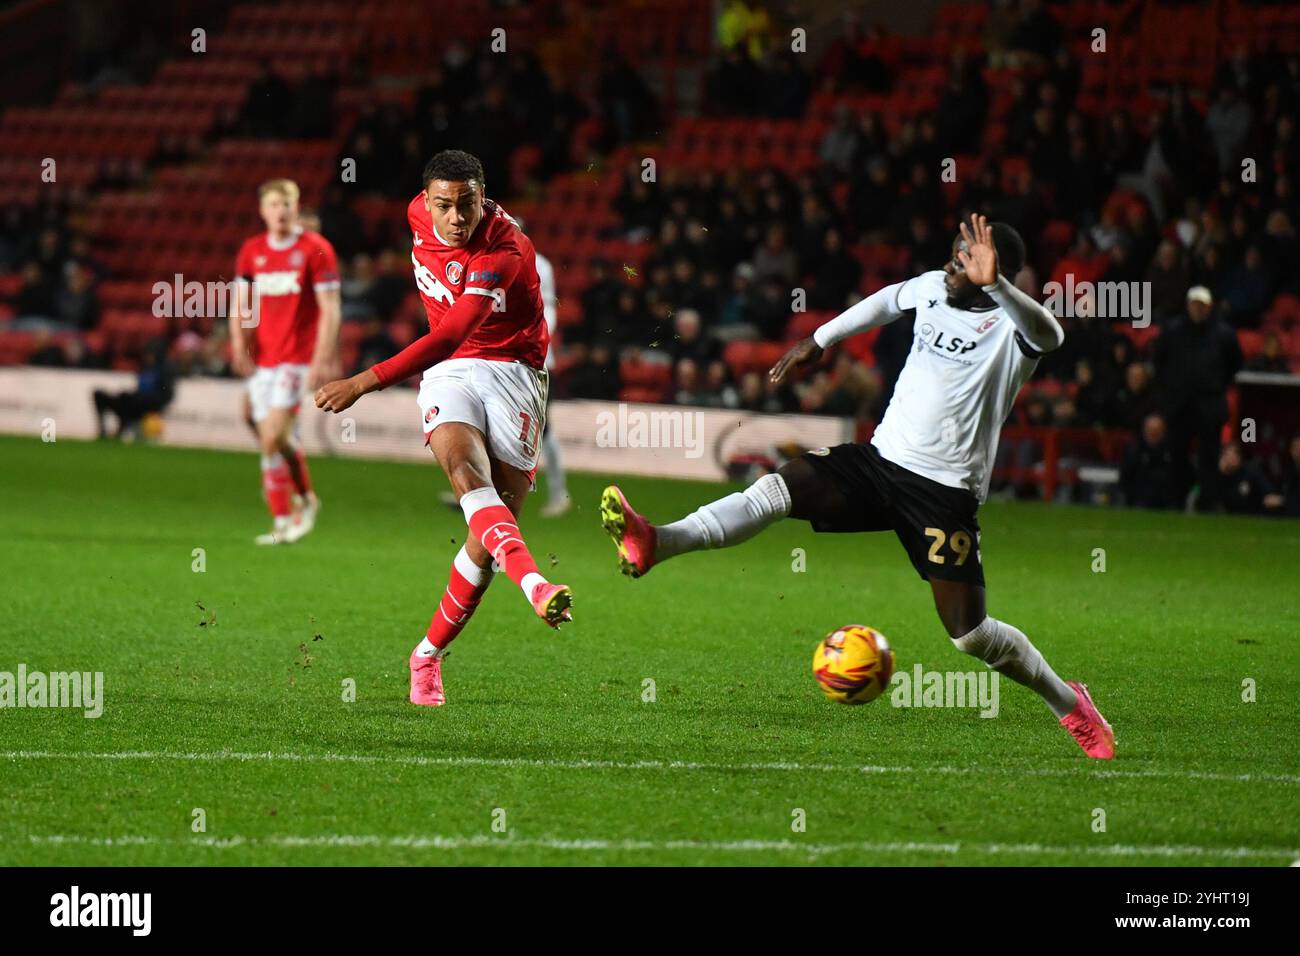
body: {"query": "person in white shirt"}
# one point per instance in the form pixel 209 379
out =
pixel 557 492
pixel 976 340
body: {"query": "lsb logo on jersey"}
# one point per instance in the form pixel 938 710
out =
pixel 454 271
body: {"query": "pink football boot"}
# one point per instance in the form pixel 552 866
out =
pixel 634 536
pixel 552 602
pixel 426 680
pixel 1086 724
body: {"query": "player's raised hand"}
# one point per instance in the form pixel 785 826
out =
pixel 979 258
pixel 802 353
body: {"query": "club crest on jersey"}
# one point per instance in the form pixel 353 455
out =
pixel 295 258
pixel 454 271
pixel 986 325
pixel 431 414
pixel 820 451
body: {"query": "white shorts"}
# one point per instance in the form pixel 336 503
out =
pixel 279 386
pixel 506 401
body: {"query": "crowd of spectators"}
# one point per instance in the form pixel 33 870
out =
pixel 1154 199
pixel 731 248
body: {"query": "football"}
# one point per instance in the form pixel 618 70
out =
pixel 853 664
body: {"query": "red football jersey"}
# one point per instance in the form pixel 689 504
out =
pixel 286 277
pixel 443 273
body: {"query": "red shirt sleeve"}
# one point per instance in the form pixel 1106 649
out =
pixel 488 275
pixel 323 265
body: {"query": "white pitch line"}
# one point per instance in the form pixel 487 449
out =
pixel 590 845
pixel 1084 771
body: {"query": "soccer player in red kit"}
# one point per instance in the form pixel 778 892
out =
pixel 482 397
pixel 284 340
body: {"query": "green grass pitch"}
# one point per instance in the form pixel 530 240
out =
pixel 547 752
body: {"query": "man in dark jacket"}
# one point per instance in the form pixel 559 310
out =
pixel 1148 474
pixel 1196 360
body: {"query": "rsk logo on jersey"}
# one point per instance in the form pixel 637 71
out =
pixel 277 283
pixel 454 271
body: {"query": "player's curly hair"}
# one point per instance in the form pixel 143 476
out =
pixel 1010 248
pixel 454 165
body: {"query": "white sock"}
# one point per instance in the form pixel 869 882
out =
pixel 530 581
pixel 1006 649
pixel 727 521
pixel 474 501
pixel 426 649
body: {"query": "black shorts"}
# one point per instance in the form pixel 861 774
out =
pixel 935 523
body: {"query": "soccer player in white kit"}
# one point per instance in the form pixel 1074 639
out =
pixel 977 340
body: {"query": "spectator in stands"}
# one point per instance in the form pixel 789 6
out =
pixel 1243 488
pixel 1093 396
pixel 599 301
pixel 718 390
pixel 774 259
pixel 758 394
pixel 688 389
pixel 1150 472
pixel 76 304
pixel 1246 290
pixel 1136 399
pixel 770 309
pixel 840 144
pixel 691 342
pixel 1169 280
pixel 35 299
pixel 594 373
pixel 1229 125
pixel 835 273
pixel 1196 360
pixel 155 388
pixel 1270 357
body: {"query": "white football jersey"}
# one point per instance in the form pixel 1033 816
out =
pixel 956 388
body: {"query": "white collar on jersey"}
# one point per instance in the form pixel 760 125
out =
pixel 489 209
pixel 279 245
pixel 436 234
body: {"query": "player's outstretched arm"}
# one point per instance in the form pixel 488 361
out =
pixel 802 353
pixel 1035 323
pixel 428 350
pixel 880 308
